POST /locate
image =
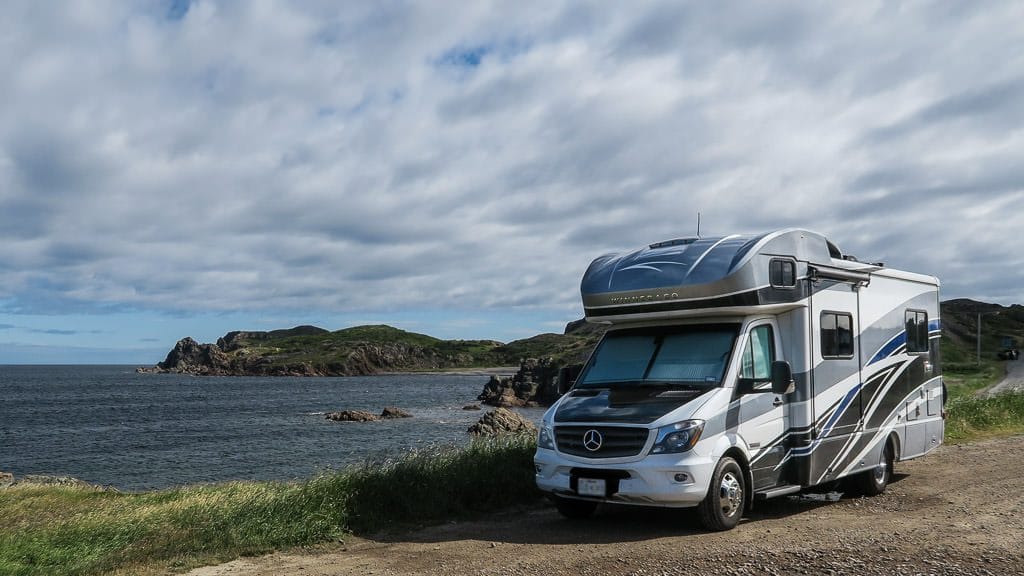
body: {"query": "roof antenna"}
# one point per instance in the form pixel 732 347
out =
pixel 698 224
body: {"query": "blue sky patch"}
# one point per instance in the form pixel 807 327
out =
pixel 176 9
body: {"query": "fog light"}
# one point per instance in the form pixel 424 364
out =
pixel 681 477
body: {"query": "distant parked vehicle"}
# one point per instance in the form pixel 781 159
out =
pixel 1009 350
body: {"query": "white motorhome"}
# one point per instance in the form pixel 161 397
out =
pixel 742 368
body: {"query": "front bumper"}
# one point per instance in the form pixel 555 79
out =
pixel 669 480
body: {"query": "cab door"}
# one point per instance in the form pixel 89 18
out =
pixel 763 415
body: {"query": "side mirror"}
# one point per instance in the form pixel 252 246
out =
pixel 567 377
pixel 782 377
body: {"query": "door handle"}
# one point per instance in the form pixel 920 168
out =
pixel 777 401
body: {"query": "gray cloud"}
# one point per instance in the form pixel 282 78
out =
pixel 233 156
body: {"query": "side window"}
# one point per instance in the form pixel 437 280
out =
pixel 782 273
pixel 758 354
pixel 916 324
pixel 836 335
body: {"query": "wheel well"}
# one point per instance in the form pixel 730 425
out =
pixel 741 459
pixel 894 439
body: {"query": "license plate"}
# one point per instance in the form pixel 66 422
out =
pixel 590 487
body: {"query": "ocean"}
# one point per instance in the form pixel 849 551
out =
pixel 108 425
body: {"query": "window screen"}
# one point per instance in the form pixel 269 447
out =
pixel 836 335
pixel 916 324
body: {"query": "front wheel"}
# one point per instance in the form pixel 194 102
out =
pixel 874 481
pixel 723 506
pixel 574 509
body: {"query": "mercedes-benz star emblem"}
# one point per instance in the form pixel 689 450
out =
pixel 592 440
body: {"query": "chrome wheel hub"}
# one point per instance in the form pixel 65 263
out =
pixel 731 494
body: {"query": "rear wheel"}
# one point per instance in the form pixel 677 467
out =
pixel 575 509
pixel 723 506
pixel 874 481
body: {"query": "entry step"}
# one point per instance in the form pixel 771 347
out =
pixel 777 491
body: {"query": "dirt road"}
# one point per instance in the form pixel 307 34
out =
pixel 1014 379
pixel 959 510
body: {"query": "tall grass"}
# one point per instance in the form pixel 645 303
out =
pixel 75 530
pixel 970 417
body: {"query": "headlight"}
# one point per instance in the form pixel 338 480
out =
pixel 545 439
pixel 678 437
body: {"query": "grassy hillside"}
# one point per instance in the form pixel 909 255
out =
pixel 960 324
pixel 312 351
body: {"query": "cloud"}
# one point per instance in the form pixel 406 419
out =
pixel 211 157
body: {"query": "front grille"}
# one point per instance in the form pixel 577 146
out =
pixel 616 441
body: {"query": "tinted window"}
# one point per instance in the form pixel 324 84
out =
pixel 916 325
pixel 836 335
pixel 782 273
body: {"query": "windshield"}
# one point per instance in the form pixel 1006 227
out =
pixel 691 355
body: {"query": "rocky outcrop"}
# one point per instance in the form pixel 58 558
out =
pixel 388 413
pixel 191 357
pixel 500 422
pixel 535 384
pixel 8 480
pixel 352 416
pixel 471 407
pixel 392 412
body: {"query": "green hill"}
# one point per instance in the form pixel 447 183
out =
pixel 312 351
pixel 960 325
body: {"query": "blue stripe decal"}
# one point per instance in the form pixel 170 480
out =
pixel 843 405
pixel 890 347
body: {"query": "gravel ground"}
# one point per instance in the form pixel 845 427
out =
pixel 959 510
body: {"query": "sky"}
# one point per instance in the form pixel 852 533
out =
pixel 175 168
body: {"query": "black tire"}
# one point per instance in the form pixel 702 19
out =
pixel 723 507
pixel 874 481
pixel 574 509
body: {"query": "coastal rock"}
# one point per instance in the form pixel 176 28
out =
pixel 535 384
pixel 53 481
pixel 363 416
pixel 352 416
pixel 6 479
pixel 191 357
pixel 469 407
pixel 500 422
pixel 392 412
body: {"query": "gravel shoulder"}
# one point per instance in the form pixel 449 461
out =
pixel 959 510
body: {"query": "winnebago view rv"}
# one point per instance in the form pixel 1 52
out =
pixel 743 368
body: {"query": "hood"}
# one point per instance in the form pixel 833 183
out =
pixel 633 405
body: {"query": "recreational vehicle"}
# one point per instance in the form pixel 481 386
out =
pixel 741 368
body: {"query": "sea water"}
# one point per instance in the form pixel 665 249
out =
pixel 109 425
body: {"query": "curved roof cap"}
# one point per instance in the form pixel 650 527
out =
pixel 682 262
